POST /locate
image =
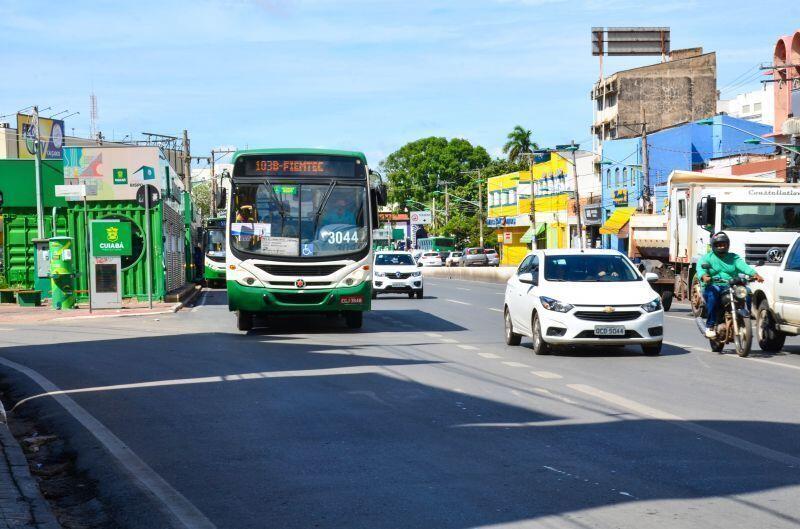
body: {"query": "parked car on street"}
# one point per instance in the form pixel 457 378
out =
pixel 452 258
pixel 775 300
pixel 493 258
pixel 396 273
pixel 582 297
pixel 430 259
pixel 473 257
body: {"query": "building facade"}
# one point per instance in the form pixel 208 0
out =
pixel 758 106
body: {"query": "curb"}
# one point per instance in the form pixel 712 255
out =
pixel 178 306
pixel 43 517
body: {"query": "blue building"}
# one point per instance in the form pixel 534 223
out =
pixel 690 146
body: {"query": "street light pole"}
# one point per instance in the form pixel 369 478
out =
pixel 213 187
pixel 37 173
pixel 480 207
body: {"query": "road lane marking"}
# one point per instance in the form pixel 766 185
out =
pixel 173 504
pixel 489 355
pixel 433 335
pixel 468 347
pixel 496 310
pixel 448 340
pixel 546 374
pixel 459 302
pixel 761 360
pixel 202 301
pixel 684 346
pixel 516 364
pixel 462 288
pixel 647 411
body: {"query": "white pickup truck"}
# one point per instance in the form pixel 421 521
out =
pixel 776 301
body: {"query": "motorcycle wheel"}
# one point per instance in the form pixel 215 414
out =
pixel 744 339
pixel 716 346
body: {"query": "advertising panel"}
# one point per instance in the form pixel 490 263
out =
pixel 51 135
pixel 111 238
pixel 117 173
pixel 421 217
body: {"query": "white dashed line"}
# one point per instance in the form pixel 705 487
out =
pixel 462 288
pixel 496 310
pixel 459 302
pixel 433 335
pixel 489 355
pixel 516 364
pixel 546 374
pixel 781 364
pixel 448 340
pixel 468 347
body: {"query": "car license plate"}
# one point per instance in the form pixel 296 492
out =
pixel 351 300
pixel 609 330
pixel 398 284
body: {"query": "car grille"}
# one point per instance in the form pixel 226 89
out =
pixel 397 275
pixel 307 298
pixel 299 271
pixel 620 315
pixel 591 334
pixel 215 258
pixel 758 252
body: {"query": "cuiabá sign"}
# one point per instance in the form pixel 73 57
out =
pixel 111 237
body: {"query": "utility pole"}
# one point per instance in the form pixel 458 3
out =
pixel 645 167
pixel 38 173
pixel 480 207
pixel 187 163
pixel 532 211
pixel 577 196
pixel 213 187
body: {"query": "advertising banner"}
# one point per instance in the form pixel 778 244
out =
pixel 51 135
pixel 110 238
pixel 592 215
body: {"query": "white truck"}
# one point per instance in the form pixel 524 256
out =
pixel 776 301
pixel 760 215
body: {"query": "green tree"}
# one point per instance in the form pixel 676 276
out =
pixel 201 196
pixel 413 170
pixel 519 142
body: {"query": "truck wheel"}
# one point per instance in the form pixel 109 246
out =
pixel 244 320
pixel 770 339
pixel 354 319
pixel 696 299
pixel 666 299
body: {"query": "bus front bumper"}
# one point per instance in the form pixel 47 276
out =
pixel 213 274
pixel 260 299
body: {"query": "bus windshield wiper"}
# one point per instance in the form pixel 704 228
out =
pixel 322 204
pixel 277 201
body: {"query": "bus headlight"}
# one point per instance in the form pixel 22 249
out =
pixel 356 277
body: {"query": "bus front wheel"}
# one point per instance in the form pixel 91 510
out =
pixel 354 319
pixel 244 320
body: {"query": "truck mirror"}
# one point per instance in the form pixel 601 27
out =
pixel 221 198
pixel 706 211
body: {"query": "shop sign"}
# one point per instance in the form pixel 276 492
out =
pixel 592 215
pixel 621 197
pixel 508 237
pixel 110 238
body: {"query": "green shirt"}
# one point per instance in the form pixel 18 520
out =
pixel 724 268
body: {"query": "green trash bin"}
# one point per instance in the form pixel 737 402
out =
pixel 62 276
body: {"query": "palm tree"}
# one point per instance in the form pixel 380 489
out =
pixel 519 141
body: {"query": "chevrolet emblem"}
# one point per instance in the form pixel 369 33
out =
pixel 609 309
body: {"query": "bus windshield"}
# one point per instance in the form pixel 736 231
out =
pixel 299 220
pixel 215 243
pixel 760 217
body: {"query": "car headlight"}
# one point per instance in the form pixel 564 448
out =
pixel 380 274
pixel 652 306
pixel 416 274
pixel 740 292
pixel 554 304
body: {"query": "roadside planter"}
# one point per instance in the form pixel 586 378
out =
pixel 8 295
pixel 29 298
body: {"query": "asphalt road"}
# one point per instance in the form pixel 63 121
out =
pixel 425 419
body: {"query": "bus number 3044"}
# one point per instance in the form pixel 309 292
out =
pixel 343 237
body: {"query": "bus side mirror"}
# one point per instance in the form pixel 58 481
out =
pixel 706 211
pixel 383 194
pixel 221 198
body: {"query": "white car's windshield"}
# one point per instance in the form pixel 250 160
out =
pixel 588 268
pixel 393 259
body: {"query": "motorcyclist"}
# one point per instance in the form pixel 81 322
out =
pixel 724 266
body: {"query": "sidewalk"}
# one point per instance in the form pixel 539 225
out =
pixel 21 503
pixel 10 313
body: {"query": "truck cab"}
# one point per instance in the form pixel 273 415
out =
pixel 777 300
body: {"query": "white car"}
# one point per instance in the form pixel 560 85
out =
pixel 589 297
pixel 452 258
pixel 396 273
pixel 430 259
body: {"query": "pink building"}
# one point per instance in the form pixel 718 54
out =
pixel 786 73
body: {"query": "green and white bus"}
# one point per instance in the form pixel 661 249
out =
pixel 299 232
pixel 214 252
pixel 436 244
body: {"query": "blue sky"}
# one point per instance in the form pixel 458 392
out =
pixel 355 74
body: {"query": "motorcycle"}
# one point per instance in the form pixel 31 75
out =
pixel 733 317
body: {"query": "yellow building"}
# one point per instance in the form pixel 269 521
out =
pixel 509 208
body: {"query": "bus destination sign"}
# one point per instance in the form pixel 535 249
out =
pixel 302 166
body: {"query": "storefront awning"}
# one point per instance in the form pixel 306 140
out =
pixel 528 236
pixel 616 221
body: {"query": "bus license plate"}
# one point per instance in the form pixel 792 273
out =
pixel 351 300
pixel 609 330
